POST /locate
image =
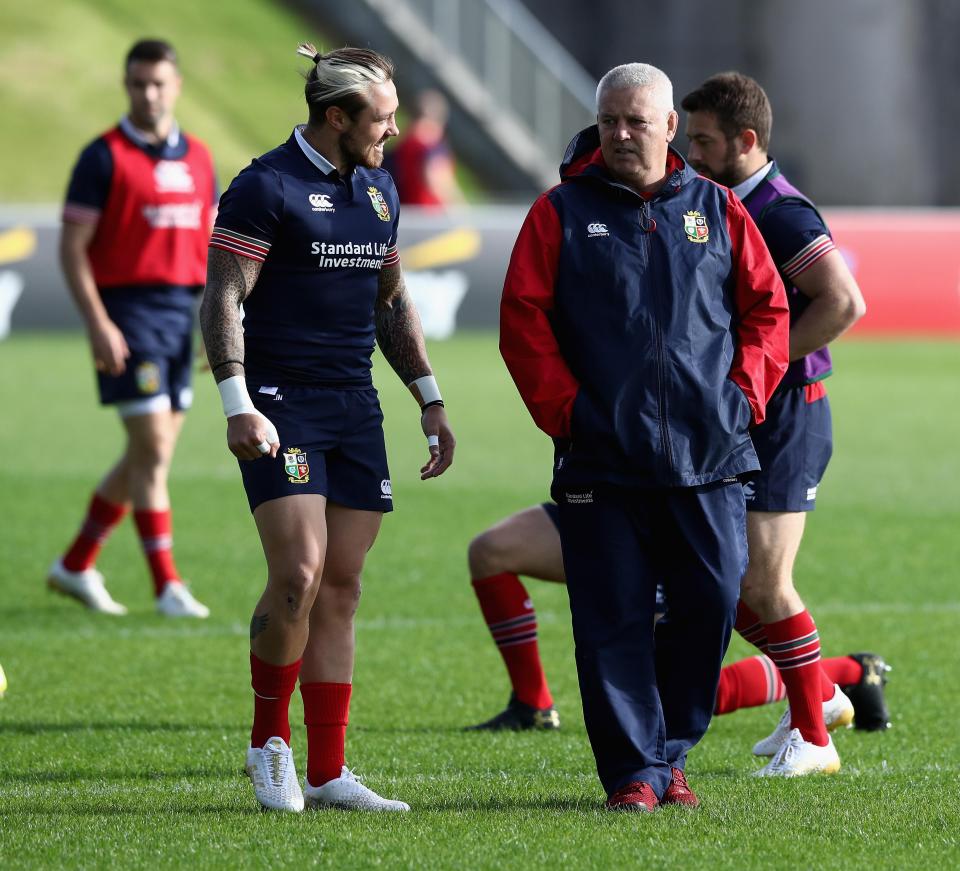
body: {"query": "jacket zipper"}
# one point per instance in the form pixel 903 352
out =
pixel 658 341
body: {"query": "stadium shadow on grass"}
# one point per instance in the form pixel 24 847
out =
pixel 97 809
pixel 74 776
pixel 588 804
pixel 42 728
pixel 388 729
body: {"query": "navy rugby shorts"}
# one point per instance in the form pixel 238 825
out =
pixel 331 444
pixel 794 445
pixel 158 327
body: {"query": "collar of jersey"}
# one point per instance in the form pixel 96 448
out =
pixel 137 137
pixel 314 156
pixel 746 187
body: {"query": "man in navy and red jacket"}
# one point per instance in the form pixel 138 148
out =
pixel 645 326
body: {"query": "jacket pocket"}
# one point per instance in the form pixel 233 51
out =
pixel 744 411
pixel 585 421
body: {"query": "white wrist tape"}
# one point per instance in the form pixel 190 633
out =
pixel 236 400
pixel 433 441
pixel 425 389
pixel 234 396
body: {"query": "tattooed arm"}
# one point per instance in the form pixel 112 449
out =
pixel 230 278
pixel 400 338
pixel 399 333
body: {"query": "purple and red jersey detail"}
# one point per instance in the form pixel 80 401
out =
pixel 797 237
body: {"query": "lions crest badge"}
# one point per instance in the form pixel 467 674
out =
pixel 296 466
pixel 379 203
pixel 147 376
pixel 695 226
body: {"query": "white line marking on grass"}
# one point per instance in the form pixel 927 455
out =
pixel 415 624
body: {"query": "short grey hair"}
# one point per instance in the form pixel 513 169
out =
pixel 638 75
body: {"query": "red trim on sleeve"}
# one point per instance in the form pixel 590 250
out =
pixel 763 317
pixel 238 243
pixel 527 342
pixel 392 257
pixel 77 213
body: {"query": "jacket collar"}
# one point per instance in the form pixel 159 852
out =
pixel 583 158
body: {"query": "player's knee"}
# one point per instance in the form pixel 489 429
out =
pixel 150 455
pixel 341 594
pixel 296 586
pixel 486 555
pixel 761 585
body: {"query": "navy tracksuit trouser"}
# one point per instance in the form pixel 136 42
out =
pixel 648 697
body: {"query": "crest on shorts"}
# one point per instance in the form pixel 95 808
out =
pixel 695 226
pixel 147 375
pixel 379 203
pixel 296 466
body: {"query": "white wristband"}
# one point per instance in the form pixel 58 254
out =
pixel 433 441
pixel 234 396
pixel 425 389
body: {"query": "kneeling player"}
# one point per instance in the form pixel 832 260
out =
pixel 528 543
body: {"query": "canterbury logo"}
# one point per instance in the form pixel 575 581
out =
pixel 321 203
pixel 597 230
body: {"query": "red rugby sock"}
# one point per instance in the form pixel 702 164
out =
pixel 842 670
pixel 272 687
pixel 156 536
pixel 748 683
pixel 794 645
pixel 326 711
pixel 512 621
pixel 102 518
pixel 749 626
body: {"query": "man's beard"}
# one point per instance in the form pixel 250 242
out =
pixel 355 155
pixel 727 175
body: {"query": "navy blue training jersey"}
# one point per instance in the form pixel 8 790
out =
pixel 322 239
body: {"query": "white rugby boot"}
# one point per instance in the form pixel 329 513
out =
pixel 348 793
pixel 797 757
pixel 274 777
pixel 837 714
pixel 86 587
pixel 177 601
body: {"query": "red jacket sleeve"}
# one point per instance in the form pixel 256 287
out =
pixel 527 342
pixel 763 316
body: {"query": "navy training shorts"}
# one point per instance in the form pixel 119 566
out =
pixel 793 444
pixel 157 324
pixel 553 512
pixel 331 444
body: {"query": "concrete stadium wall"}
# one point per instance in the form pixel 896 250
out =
pixel 907 263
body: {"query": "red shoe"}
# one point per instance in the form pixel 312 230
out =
pixel 636 796
pixel 679 791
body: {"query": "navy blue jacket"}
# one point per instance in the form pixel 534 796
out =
pixel 649 331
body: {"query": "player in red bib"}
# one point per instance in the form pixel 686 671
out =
pixel 135 228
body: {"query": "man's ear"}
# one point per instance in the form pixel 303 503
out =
pixel 748 140
pixel 337 118
pixel 673 124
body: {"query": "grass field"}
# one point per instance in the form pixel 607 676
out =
pixel 121 739
pixel 61 67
